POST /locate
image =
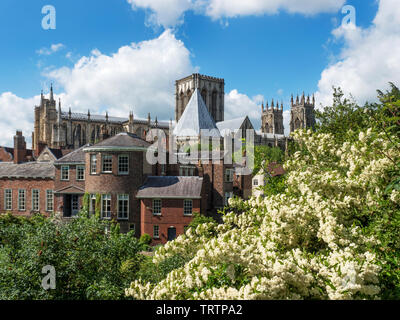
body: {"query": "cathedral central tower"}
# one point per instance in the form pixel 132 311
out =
pixel 211 89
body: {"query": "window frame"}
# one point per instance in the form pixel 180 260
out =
pixel 123 173
pixel 93 164
pixel 23 198
pixel 125 197
pixel 6 200
pixel 103 196
pixel 77 172
pixel 62 171
pixel 185 207
pixel 33 200
pixel 103 158
pixel 47 200
pixel 92 210
pixel 229 173
pixel 226 199
pixel 154 232
pixel 153 206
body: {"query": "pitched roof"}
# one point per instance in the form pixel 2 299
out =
pixel 122 141
pixel 70 189
pixel 274 169
pixel 233 124
pixel 196 118
pixel 113 120
pixel 77 156
pixel 171 188
pixel 37 170
pixel 270 135
pixel 94 118
pixel 29 152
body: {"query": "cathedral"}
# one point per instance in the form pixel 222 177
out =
pixel 59 129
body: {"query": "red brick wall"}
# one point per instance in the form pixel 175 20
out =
pixel 27 184
pixel 114 184
pixel 171 216
pixel 5 156
pixel 59 184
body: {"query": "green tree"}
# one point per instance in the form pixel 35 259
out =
pixel 90 263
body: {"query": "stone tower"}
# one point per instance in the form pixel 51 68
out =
pixel 45 118
pixel 211 89
pixel 302 113
pixel 272 118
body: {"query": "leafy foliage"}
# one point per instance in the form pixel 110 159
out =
pixel 89 263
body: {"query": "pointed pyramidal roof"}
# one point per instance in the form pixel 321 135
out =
pixel 196 118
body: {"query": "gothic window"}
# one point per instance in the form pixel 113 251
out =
pixel 204 95
pixel 83 137
pixel 93 136
pixel 181 103
pixel 77 135
pixel 276 127
pixel 214 105
pixel 297 124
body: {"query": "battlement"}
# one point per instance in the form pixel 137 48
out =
pixel 273 108
pixel 303 102
pixel 202 77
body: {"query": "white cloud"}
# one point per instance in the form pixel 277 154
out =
pixel 369 59
pixel 233 8
pixel 17 113
pixel 139 77
pixel 238 105
pixel 167 13
pixel 53 49
pixel 170 12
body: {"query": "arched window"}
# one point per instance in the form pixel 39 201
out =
pixel 214 105
pixel 93 136
pixel 204 95
pixel 297 124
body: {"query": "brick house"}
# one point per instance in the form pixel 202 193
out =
pixel 167 205
pixel 26 188
pixel 115 169
pixel 70 176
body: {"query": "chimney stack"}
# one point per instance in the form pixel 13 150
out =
pixel 19 148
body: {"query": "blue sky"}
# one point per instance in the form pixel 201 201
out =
pixel 261 53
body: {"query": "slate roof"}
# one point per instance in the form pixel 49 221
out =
pixel 123 140
pixel 77 156
pixel 171 188
pixel 113 120
pixel 274 169
pixel 11 151
pixel 94 118
pixel 57 153
pixel 232 124
pixel 37 170
pixel 196 118
pixel 271 135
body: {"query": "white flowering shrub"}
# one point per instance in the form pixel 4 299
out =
pixel 304 243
